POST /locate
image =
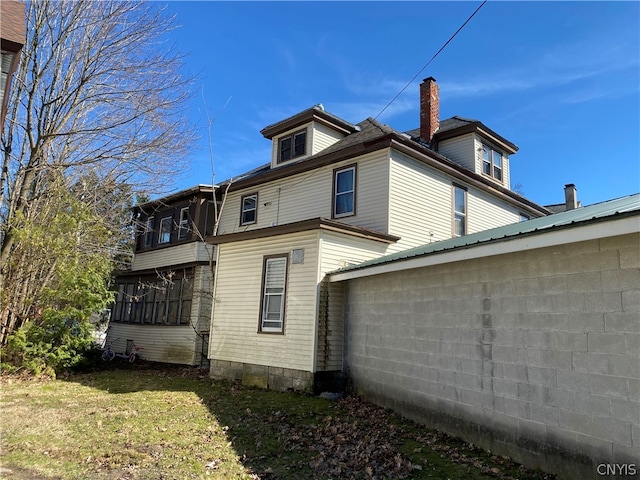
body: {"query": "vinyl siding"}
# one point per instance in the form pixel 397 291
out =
pixel 160 343
pixel 172 255
pixel 461 150
pixel 309 195
pixel 419 203
pixel 485 212
pixel 323 137
pixel 234 330
pixel 337 250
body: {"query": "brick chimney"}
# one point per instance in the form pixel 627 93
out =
pixel 571 196
pixel 429 109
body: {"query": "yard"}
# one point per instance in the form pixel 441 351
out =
pixel 145 422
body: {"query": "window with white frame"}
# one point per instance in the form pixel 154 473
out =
pixel 292 146
pixel 274 283
pixel 459 211
pixel 491 162
pixel 183 226
pixel 164 235
pixel 148 232
pixel 344 192
pixel 249 210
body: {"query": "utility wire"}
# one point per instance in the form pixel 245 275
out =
pixel 432 59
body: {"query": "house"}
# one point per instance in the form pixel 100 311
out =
pixel 522 339
pixel 12 38
pixel 163 303
pixel 336 194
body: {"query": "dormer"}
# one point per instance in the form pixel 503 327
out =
pixel 305 134
pixel 465 141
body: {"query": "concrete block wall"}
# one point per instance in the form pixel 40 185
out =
pixel 532 354
pixel 263 376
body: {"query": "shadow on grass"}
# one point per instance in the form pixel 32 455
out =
pixel 297 436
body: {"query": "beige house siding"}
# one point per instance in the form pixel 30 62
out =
pixel 337 251
pixel 461 150
pixel 234 333
pixel 323 137
pixel 485 212
pixel 160 343
pixel 309 195
pixel 172 255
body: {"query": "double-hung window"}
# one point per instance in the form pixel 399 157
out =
pixel 344 192
pixel 491 162
pixel 292 146
pixel 459 211
pixel 148 232
pixel 183 226
pixel 249 210
pixel 164 235
pixel 274 284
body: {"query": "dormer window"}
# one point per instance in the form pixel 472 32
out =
pixel 292 146
pixel 491 162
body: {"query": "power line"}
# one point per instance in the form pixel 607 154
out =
pixel 431 60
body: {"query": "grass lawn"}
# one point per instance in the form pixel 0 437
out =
pixel 175 423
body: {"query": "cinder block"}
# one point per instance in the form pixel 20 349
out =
pixel 603 302
pixel 631 301
pixel 606 342
pixel 539 339
pixel 539 303
pixel 543 376
pixel 530 393
pixel 573 342
pixel 593 405
pixel 556 397
pixel 609 385
pixel 569 302
pixel 516 408
pixel 504 354
pixel 620 280
pixel 556 359
pixel 633 344
pixel 255 375
pixel 626 410
pixel 544 413
pixel 573 381
pixel 622 322
pixel 611 429
pixel 635 435
pixel 553 285
pixel 627 455
pixel 584 282
pixel 630 257
pixel 505 388
pixel 576 422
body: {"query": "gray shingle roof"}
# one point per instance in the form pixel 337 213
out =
pixel 629 205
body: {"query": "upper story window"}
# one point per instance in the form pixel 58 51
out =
pixel 183 226
pixel 292 146
pixel 164 235
pixel 148 232
pixel 249 209
pixel 491 162
pixel 459 211
pixel 344 192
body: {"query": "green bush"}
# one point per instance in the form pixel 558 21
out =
pixel 57 341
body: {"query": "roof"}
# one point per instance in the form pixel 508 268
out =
pixel 316 113
pixel 175 196
pixel 456 125
pixel 371 135
pixel 625 206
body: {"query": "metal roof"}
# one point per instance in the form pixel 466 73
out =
pixel 629 205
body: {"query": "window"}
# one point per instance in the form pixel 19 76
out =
pixel 459 211
pixel 183 227
pixel 155 301
pixel 249 210
pixel 491 162
pixel 344 192
pixel 274 280
pixel 148 232
pixel 292 146
pixel 164 235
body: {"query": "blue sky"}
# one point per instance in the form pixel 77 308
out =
pixel 559 79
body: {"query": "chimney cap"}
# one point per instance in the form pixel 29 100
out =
pixel 429 79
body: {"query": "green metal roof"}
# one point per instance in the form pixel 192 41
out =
pixel 624 206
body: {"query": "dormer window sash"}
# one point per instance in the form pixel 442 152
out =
pixel 292 146
pixel 492 162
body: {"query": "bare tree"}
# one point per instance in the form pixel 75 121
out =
pixel 97 105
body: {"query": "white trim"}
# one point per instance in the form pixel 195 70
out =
pixel 591 231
